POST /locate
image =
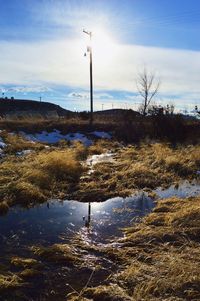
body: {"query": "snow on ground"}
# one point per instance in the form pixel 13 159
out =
pixel 56 136
pixel 106 157
pixel 2 144
pixel 102 135
pixel 94 159
pixel 24 152
pixel 78 137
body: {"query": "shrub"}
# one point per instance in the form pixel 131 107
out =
pixel 27 193
pixel 60 165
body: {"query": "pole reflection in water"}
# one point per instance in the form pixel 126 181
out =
pixel 88 220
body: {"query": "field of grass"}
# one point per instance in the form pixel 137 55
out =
pixel 44 173
pixel 59 171
pixel 125 127
pixel 146 166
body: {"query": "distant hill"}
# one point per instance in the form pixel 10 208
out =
pixel 118 112
pixel 21 108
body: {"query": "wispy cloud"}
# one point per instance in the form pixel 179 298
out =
pixel 27 89
pixel 78 95
pixel 44 64
pixel 86 95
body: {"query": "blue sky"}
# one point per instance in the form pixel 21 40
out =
pixel 42 47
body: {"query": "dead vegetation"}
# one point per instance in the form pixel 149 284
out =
pixel 159 257
pixel 138 167
pixel 16 143
pixel 38 176
pixel 57 253
pixel 9 281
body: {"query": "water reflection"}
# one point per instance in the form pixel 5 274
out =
pixel 45 223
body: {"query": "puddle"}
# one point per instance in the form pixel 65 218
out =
pixel 45 223
pixel 184 190
pixel 58 222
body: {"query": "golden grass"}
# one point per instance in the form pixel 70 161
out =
pixel 9 281
pixel 102 146
pixel 16 143
pixel 102 293
pixel 57 253
pixel 24 262
pixel 61 165
pixel 138 167
pixel 4 207
pixel 39 176
pixel 30 273
pixel 159 257
pixel 57 172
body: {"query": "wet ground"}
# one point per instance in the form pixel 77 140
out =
pixel 64 222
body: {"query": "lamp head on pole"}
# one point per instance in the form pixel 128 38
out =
pixel 87 32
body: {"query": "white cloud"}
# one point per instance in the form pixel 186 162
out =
pixel 26 89
pixel 78 95
pixel 38 64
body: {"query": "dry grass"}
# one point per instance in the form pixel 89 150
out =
pixel 24 262
pixel 38 176
pixel 57 253
pixel 9 281
pixel 103 145
pixel 28 274
pixel 102 293
pixel 16 143
pixel 4 207
pixel 57 172
pixel 159 257
pixel 138 167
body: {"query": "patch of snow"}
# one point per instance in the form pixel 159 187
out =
pixel 78 137
pixel 184 190
pixel 106 157
pixel 103 135
pixel 2 144
pixel 56 136
pixel 24 152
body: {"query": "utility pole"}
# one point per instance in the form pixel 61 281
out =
pixel 89 49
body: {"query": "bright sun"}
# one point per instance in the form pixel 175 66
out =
pixel 103 46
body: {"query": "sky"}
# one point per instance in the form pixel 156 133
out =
pixel 42 48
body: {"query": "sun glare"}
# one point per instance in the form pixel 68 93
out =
pixel 103 45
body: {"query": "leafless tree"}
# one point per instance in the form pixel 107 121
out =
pixel 147 86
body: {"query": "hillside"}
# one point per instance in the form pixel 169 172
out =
pixel 117 112
pixel 21 108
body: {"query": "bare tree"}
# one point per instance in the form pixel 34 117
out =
pixel 147 86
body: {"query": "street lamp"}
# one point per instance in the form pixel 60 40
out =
pixel 89 49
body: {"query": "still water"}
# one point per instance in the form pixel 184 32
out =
pixel 61 222
pixel 45 223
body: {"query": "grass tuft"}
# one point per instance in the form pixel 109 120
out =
pixel 4 207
